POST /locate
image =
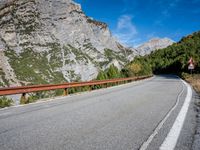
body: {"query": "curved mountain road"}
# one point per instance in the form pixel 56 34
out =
pixel 125 117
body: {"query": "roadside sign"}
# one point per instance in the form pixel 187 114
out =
pixel 190 61
pixel 191 66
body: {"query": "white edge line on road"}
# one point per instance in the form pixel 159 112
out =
pixel 173 135
pixel 160 125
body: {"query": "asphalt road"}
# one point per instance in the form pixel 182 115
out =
pixel 117 118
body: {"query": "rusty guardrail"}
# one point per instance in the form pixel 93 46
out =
pixel 65 86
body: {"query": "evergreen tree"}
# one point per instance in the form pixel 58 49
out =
pixel 113 72
pixel 102 75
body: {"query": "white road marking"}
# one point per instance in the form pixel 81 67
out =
pixel 160 125
pixel 172 137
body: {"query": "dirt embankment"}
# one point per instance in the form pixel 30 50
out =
pixel 194 80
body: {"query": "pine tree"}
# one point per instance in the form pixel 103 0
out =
pixel 113 72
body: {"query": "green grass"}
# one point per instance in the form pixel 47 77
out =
pixel 5 102
pixel 34 67
pixel 111 55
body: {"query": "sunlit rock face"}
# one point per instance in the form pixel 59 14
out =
pixel 53 41
pixel 153 45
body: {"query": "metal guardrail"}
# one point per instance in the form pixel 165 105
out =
pixel 65 86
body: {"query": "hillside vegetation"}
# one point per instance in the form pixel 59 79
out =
pixel 194 80
pixel 173 59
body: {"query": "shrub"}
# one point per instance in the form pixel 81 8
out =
pixel 5 102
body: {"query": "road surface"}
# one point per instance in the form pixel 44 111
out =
pixel 138 115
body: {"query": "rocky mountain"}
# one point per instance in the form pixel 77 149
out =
pixel 45 41
pixel 153 45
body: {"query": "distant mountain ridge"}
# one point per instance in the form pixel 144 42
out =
pixel 154 44
pixel 173 59
pixel 45 41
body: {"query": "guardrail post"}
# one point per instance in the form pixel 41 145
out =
pixel 90 88
pixel 23 99
pixel 65 92
pixel 106 85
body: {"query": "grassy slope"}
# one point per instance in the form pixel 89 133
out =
pixel 194 80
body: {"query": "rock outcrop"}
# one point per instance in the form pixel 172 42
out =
pixel 45 41
pixel 153 45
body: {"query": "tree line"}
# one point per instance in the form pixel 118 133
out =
pixel 173 59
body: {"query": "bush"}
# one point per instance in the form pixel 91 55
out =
pixel 111 73
pixel 185 75
pixel 33 97
pixel 170 60
pixel 5 102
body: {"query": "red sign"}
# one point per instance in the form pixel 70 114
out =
pixel 190 61
pixel 191 64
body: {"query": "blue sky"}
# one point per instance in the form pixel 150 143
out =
pixel 135 21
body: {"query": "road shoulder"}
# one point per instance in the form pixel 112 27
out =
pixel 196 141
pixel 186 138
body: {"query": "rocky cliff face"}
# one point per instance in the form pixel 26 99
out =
pixel 153 44
pixel 45 41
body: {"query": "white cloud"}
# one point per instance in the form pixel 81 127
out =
pixel 125 23
pixel 172 4
pixel 126 30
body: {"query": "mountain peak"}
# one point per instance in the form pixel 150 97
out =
pixel 154 44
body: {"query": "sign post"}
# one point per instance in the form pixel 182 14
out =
pixel 191 65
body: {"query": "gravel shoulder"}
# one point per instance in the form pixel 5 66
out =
pixel 196 142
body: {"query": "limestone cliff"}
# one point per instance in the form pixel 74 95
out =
pixel 154 44
pixel 45 41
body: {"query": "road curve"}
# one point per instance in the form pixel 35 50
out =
pixel 117 118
